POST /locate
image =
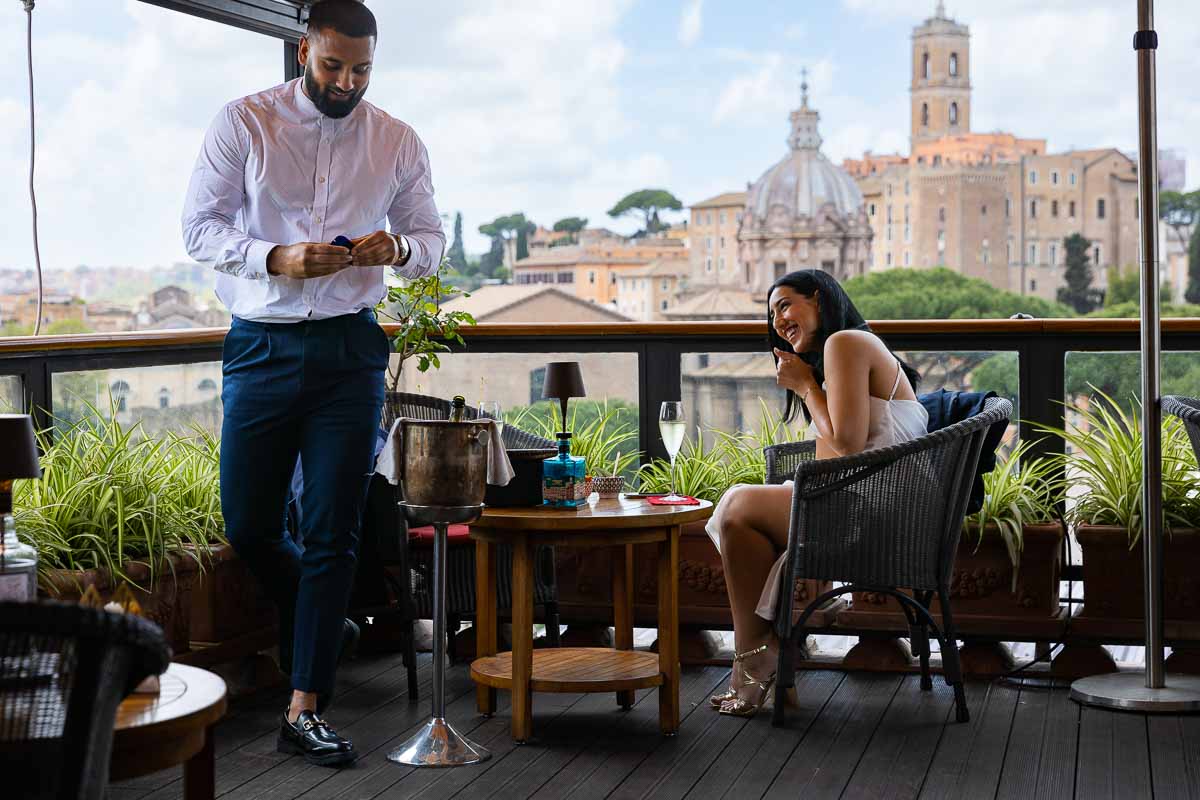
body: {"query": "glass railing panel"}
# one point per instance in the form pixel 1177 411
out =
pixel 12 395
pixel 176 397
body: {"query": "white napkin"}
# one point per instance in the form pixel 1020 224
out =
pixel 499 468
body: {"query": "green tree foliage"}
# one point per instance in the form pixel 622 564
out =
pixel 647 202
pixel 1181 212
pixel 456 255
pixel 940 294
pixel 506 230
pixel 1078 293
pixel 571 226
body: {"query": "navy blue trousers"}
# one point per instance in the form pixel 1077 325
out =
pixel 311 389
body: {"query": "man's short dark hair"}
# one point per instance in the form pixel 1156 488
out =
pixel 347 17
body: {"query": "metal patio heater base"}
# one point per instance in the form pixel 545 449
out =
pixel 1127 691
pixel 437 744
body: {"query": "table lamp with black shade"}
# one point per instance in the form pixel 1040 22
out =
pixel 564 476
pixel 18 459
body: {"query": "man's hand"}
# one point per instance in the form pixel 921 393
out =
pixel 378 249
pixel 307 260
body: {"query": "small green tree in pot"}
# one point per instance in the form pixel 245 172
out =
pixel 424 328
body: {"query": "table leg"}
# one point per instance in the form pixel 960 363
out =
pixel 199 777
pixel 668 631
pixel 622 567
pixel 485 618
pixel 522 639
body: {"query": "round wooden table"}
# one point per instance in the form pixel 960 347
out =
pixel 156 731
pixel 619 523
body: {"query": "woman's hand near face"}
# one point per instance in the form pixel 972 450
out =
pixel 792 372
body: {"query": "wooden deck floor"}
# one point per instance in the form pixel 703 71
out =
pixel 859 735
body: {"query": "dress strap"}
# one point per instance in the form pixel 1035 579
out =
pixel 896 384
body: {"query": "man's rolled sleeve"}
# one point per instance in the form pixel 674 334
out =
pixel 214 198
pixel 414 214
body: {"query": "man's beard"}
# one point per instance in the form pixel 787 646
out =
pixel 324 100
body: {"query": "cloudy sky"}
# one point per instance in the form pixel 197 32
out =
pixel 555 107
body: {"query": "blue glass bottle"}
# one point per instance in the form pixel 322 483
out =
pixel 563 477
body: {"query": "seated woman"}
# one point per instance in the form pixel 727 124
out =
pixel 857 395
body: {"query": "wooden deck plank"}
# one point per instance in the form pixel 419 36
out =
pixel 1172 775
pixel 857 736
pixel 1113 756
pixel 898 758
pixel 1018 779
pixel 1060 743
pixel 823 763
pixel 752 760
pixel 623 758
pixel 593 745
pixel 969 758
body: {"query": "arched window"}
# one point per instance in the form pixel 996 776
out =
pixel 954 65
pixel 119 390
pixel 164 397
pixel 954 113
pixel 925 66
pixel 207 385
pixel 924 115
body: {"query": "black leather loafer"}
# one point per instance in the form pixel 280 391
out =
pixel 311 737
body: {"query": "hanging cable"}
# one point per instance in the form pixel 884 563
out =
pixel 37 255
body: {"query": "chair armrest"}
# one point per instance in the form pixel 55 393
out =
pixel 783 459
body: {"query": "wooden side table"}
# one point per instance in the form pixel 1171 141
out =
pixel 617 523
pixel 156 731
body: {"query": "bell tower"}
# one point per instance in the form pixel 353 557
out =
pixel 941 78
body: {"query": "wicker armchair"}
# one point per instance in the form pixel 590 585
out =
pixel 880 520
pixel 1188 410
pixel 460 558
pixel 64 669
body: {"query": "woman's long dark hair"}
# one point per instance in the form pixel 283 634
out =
pixel 837 313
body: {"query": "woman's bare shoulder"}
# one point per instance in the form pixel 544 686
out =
pixel 852 341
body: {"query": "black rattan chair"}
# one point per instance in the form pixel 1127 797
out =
pixel 460 558
pixel 879 521
pixel 1188 410
pixel 64 669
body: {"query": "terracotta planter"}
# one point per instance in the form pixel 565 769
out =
pixel 585 583
pixel 981 586
pixel 1113 578
pixel 167 602
pixel 227 600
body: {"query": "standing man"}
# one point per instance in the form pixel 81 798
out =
pixel 280 175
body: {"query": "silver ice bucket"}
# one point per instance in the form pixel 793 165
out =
pixel 445 463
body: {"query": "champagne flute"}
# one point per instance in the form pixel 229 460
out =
pixel 491 410
pixel 672 426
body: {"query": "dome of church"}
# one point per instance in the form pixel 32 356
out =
pixel 802 183
pixel 805 179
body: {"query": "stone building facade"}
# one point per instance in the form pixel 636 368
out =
pixel 989 205
pixel 713 240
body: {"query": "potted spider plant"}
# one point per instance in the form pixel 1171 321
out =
pixel 1006 567
pixel 1103 470
pixel 115 508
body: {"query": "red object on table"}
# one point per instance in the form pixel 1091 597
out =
pixel 425 533
pixel 685 500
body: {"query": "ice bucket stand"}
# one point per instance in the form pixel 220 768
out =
pixel 437 744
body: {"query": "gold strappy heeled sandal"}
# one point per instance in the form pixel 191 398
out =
pixel 730 694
